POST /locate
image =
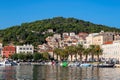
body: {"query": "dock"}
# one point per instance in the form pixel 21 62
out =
pixel 117 65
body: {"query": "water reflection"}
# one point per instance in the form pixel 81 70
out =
pixel 30 72
pixel 24 72
pixel 6 73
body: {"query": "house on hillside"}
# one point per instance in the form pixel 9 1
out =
pixel 44 48
pixel 8 50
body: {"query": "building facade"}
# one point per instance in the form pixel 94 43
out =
pixel 8 50
pixel 107 36
pixel 111 50
pixel 25 49
pixel 98 40
pixel 90 39
pixel 1 48
pixel 44 48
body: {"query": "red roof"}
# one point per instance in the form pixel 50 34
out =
pixel 109 42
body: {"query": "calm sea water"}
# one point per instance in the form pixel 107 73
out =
pixel 30 72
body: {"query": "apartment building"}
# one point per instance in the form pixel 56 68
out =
pixel 8 50
pixel 98 40
pixel 117 36
pixel 25 49
pixel 1 48
pixel 107 36
pixel 90 39
pixel 44 48
pixel 111 50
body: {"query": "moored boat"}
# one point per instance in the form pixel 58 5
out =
pixel 7 63
pixel 64 64
pixel 85 65
pixel 105 65
pixel 73 64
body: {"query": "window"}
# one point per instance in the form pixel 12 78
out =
pixel 20 48
pixel 99 39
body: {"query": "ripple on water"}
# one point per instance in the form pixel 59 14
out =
pixel 30 72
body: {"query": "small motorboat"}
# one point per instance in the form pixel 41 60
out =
pixel 7 63
pixel 85 65
pixel 64 64
pixel 105 65
pixel 73 64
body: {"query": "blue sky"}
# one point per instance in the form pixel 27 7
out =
pixel 15 12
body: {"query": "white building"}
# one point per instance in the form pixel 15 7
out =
pixel 25 49
pixel 65 34
pixel 0 48
pixel 57 36
pixel 90 38
pixel 111 50
pixel 50 30
pixel 72 34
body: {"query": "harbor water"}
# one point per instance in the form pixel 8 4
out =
pixel 37 72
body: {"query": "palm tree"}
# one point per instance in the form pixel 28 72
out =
pixel 63 54
pixel 60 53
pixel 80 50
pixel 75 51
pixel 98 51
pixel 86 53
pixel 92 51
pixel 57 52
pixel 45 55
pixel 66 55
pixel 70 51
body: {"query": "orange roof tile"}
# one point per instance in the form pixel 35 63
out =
pixel 109 42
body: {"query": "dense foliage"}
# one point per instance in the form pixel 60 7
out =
pixel 36 32
pixel 30 57
pixel 78 52
pixel 62 54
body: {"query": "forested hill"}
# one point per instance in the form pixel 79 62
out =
pixel 32 33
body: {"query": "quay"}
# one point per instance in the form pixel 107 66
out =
pixel 117 65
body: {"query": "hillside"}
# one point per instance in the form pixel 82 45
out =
pixel 32 33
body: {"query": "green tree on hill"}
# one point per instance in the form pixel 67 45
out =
pixel 33 32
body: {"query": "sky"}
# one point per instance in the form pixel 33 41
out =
pixel 15 12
